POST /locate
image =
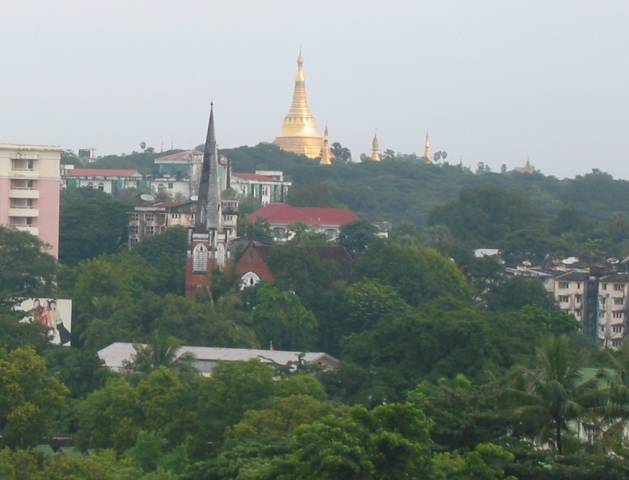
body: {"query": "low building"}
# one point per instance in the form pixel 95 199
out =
pixel 108 180
pixel 282 217
pixel 150 220
pixel 267 186
pixel 176 188
pixel 29 191
pixel 119 355
pixel 252 264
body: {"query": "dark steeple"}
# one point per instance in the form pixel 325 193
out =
pixel 208 216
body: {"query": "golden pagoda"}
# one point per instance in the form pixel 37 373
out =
pixel 326 155
pixel 427 150
pixel 375 149
pixel 299 131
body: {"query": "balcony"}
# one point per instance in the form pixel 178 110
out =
pixel 23 193
pixel 27 173
pixel 23 212
pixel 27 228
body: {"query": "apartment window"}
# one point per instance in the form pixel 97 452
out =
pixel 148 217
pixel 577 313
pixel 616 342
pixel 21 184
pixel 21 203
pixel 133 230
pixel 564 298
pixel 617 328
pixel 619 286
pixel 149 230
pixel 578 298
pixel 134 217
pixel 101 186
pixel 604 286
pixel 578 285
pixel 170 185
pixel 619 314
pixel 619 301
pixel 564 285
pixel 603 300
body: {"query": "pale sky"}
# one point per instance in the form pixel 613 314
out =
pixel 492 80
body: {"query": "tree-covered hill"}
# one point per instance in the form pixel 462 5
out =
pixel 402 191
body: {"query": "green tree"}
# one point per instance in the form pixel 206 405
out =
pixel 418 274
pixel 517 292
pixel 357 236
pixel 550 395
pixel 30 399
pixel 25 271
pixel 92 223
pixel 281 319
pixel 110 417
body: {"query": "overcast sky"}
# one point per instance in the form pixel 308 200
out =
pixel 492 80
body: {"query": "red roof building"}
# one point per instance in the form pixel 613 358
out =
pixel 252 265
pixel 281 216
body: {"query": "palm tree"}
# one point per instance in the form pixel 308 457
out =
pixel 160 351
pixel 553 393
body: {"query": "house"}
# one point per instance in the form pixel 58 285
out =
pixel 281 217
pixel 252 264
pixel 108 180
pixel 119 355
pixel 264 185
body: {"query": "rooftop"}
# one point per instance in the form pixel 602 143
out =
pixel 257 176
pixel 182 157
pixel 103 172
pixel 117 354
pixel 284 214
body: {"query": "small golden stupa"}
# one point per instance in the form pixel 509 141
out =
pixel 326 155
pixel 299 131
pixel 375 149
pixel 427 150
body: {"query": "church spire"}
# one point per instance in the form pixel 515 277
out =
pixel 375 149
pixel 208 214
pixel 299 132
pixel 427 150
pixel 325 149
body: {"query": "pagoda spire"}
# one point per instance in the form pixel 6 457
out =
pixel 208 214
pixel 427 149
pixel 325 149
pixel 299 132
pixel 375 148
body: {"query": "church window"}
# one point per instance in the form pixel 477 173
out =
pixel 200 258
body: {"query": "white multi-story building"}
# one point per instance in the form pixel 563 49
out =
pixel 30 181
pixel 570 293
pixel 267 186
pixel 612 309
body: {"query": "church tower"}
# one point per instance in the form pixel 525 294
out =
pixel 326 157
pixel 206 239
pixel 375 149
pixel 299 131
pixel 427 150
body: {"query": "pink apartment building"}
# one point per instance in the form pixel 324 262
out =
pixel 29 191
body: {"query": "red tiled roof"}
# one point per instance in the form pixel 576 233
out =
pixel 103 172
pixel 178 157
pixel 283 214
pixel 254 176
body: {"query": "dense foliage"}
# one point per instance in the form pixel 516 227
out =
pixel 449 369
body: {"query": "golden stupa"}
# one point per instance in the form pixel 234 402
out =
pixel 299 131
pixel 375 149
pixel 326 154
pixel 427 150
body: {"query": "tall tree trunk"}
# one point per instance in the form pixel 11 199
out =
pixel 558 435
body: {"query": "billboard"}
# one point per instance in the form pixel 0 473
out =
pixel 53 313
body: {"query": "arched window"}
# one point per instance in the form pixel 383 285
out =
pixel 199 258
pixel 249 279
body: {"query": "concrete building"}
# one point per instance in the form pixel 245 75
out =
pixel 176 188
pixel 267 186
pixel 119 356
pixel 612 309
pixel 108 180
pixel 281 217
pixel 570 291
pixel 148 221
pixel 30 181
